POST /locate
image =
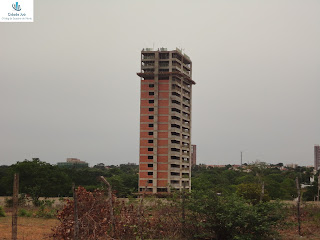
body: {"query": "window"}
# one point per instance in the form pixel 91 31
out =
pixel 162 190
pixel 150 149
pixel 151 117
pixel 151 109
pixel 151 93
pixel 151 85
pixel 150 141
pixel 150 181
pixel 151 125
pixel 151 101
pixel 150 157
pixel 150 165
pixel 150 133
pixel 150 173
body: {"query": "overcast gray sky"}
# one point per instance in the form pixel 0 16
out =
pixel 68 83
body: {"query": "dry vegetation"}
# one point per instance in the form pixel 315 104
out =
pixel 33 228
pixel 28 228
pixel 310 216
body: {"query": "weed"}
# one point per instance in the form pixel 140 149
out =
pixel 2 213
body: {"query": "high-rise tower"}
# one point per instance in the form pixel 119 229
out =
pixel 316 157
pixel 165 121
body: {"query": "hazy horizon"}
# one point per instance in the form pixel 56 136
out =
pixel 68 83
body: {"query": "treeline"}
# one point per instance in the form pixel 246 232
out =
pixel 248 181
pixel 41 179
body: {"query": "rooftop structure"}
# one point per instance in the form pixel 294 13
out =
pixel 165 121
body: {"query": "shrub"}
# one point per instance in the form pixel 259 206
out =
pixel 45 212
pixel 22 200
pixel 2 213
pixel 24 213
pixel 230 217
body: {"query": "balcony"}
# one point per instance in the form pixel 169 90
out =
pixel 185 148
pixel 185 153
pixel 177 122
pixel 186 93
pixel 175 145
pixel 177 138
pixel 175 185
pixel 186 109
pixel 186 130
pixel 148 56
pixel 186 116
pixel 173 97
pixel 186 102
pixel 185 137
pixel 176 104
pixel 175 161
pixel 177 154
pixel 186 73
pixel 176 87
pixel 164 64
pixel 175 177
pixel 185 123
pixel 175 167
pixel 187 66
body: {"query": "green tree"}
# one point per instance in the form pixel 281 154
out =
pixel 40 179
pixel 252 192
pixel 230 217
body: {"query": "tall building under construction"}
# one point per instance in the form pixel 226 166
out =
pixel 316 157
pixel 165 121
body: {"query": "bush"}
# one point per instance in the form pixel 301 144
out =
pixel 2 213
pixel 44 212
pixel 24 213
pixel 22 200
pixel 230 217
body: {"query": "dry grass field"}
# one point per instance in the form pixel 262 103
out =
pixel 28 228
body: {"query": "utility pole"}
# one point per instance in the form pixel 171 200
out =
pixel 241 159
pixel 15 198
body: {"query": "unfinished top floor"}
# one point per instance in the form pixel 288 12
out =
pixel 163 60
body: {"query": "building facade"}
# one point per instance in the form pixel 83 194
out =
pixel 193 155
pixel 165 121
pixel 316 157
pixel 73 163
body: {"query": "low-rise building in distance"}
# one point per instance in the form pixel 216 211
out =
pixel 73 163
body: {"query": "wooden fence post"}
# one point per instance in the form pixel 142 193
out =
pixel 298 206
pixel 111 205
pixel 75 213
pixel 15 199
